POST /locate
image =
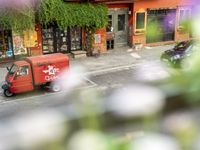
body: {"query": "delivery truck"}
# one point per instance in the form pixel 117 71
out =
pixel 25 75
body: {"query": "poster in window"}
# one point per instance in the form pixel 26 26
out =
pixel 30 38
pixel 18 44
pixel 97 38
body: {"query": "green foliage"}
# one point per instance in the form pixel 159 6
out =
pixel 72 14
pixel 18 20
pixel 51 11
pixel 187 79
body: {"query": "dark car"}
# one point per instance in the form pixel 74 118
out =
pixel 178 53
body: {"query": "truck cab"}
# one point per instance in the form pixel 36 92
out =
pixel 18 79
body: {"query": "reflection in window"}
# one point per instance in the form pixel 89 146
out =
pixel 184 16
pixel 140 20
pixel 13 69
pixel 121 22
pixel 23 70
pixel 109 27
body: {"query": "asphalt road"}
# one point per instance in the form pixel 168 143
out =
pixel 104 82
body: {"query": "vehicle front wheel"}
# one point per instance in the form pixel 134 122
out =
pixel 8 93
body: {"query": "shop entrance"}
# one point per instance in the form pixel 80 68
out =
pixel 117 27
pixel 55 40
pixel 160 25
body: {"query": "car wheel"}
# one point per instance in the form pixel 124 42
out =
pixel 55 87
pixel 8 93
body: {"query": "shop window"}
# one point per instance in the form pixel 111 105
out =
pixel 184 18
pixel 76 40
pixel 6 50
pixel 47 40
pixel 109 27
pixel 62 40
pixel 121 22
pixel 18 45
pixel 140 20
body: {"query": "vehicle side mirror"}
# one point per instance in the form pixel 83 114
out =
pixel 8 69
pixel 18 73
pixel 15 77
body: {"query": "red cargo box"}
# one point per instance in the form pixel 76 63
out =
pixel 46 68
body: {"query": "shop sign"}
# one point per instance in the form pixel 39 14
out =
pixel 51 73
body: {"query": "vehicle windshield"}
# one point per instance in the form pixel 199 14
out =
pixel 181 45
pixel 12 70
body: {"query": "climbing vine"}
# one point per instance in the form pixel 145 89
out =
pixel 86 15
pixel 72 14
pixel 63 14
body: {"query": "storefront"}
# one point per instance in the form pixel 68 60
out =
pixel 6 48
pixel 162 23
pixel 55 40
pixel 18 45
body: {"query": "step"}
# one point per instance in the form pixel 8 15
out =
pixel 78 54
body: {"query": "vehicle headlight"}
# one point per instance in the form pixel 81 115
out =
pixel 176 57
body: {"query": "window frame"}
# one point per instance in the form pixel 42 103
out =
pixel 183 8
pixel 141 30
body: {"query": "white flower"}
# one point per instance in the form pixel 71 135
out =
pixel 38 127
pixel 154 142
pixel 88 140
pixel 136 100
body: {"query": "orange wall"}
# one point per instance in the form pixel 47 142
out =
pixel 160 3
pixel 156 4
pixel 102 45
pixel 37 50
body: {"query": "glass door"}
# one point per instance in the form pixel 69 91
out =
pixel 48 40
pixel 76 38
pixel 117 29
pixel 62 40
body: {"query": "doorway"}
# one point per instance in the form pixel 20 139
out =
pixel 118 27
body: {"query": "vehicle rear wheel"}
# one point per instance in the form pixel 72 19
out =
pixel 55 87
pixel 8 93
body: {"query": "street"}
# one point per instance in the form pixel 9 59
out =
pixel 104 82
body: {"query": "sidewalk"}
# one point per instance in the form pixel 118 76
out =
pixel 116 58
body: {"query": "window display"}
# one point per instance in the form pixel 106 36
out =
pixel 62 43
pixel 47 40
pixel 6 50
pixel 57 40
pixel 75 38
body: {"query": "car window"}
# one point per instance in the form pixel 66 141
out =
pixel 182 45
pixel 189 49
pixel 23 70
pixel 12 70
